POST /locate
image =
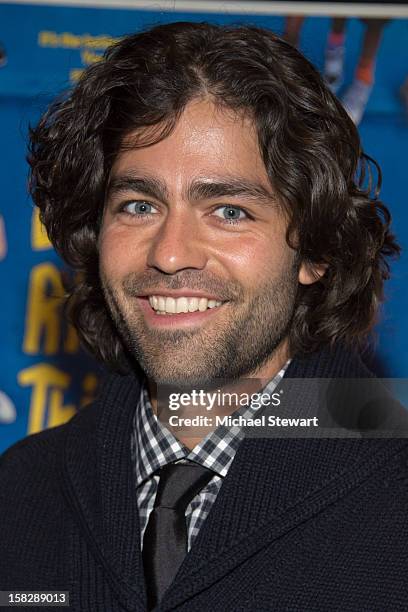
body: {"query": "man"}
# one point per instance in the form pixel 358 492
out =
pixel 210 190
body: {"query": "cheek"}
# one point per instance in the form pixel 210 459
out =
pixel 255 259
pixel 118 252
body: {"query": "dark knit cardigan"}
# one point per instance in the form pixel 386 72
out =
pixel 298 525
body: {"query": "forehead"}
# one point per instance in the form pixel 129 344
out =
pixel 207 140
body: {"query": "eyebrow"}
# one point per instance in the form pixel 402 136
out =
pixel 228 187
pixel 198 189
pixel 149 186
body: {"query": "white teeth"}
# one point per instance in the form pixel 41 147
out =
pixel 192 304
pixel 169 305
pixel 202 304
pixel 182 304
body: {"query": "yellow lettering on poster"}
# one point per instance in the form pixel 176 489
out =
pixel 48 39
pixel 45 323
pixel 68 40
pixel 43 310
pixel 48 384
pixel 89 57
pixel 75 74
pixel 39 238
pixel 58 413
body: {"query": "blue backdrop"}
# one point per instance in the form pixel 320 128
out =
pixel 44 376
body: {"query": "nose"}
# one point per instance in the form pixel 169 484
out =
pixel 177 244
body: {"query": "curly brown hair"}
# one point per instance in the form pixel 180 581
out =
pixel 310 147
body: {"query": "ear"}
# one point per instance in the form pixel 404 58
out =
pixel 310 273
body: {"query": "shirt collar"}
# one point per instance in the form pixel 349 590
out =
pixel 154 446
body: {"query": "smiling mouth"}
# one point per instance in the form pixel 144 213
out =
pixel 165 305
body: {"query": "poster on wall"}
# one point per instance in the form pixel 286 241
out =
pixel 45 375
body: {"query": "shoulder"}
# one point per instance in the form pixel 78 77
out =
pixel 29 453
pixel 34 458
pixel 37 458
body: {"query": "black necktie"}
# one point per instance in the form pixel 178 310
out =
pixel 165 538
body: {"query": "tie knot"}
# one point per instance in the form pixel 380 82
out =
pixel 179 484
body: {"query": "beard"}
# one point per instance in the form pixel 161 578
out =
pixel 235 344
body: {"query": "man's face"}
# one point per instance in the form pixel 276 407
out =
pixel 192 224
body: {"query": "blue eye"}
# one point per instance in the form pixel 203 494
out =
pixel 231 214
pixel 139 207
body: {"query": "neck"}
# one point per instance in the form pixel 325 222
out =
pixel 253 382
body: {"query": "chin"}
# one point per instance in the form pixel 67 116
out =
pixel 180 377
pixel 180 380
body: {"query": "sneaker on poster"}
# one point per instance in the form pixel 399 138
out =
pixel 356 98
pixel 333 71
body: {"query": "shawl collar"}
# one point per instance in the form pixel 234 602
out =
pixel 272 486
pixel 100 485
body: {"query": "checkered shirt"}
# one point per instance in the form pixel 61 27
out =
pixel 153 446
